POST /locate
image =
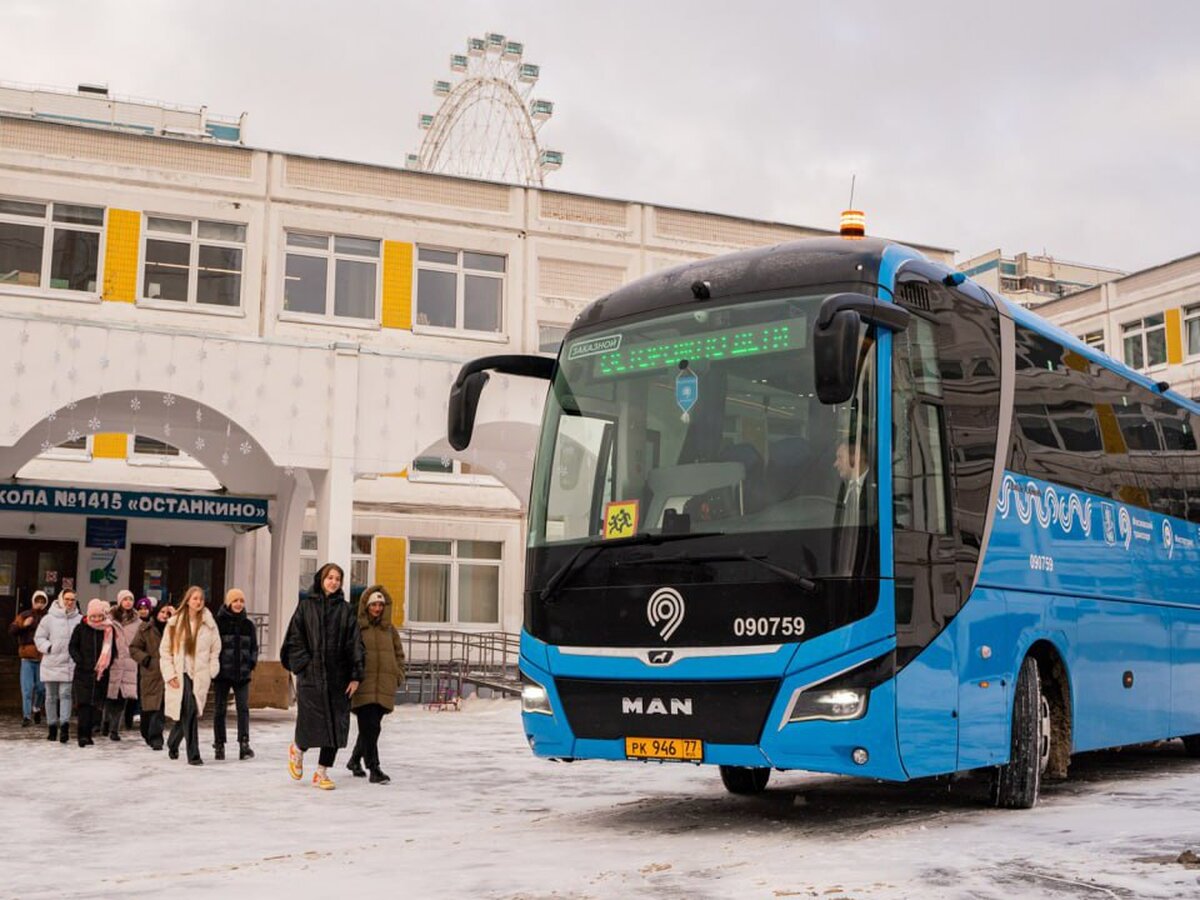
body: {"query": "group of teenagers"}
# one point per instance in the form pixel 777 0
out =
pixel 109 661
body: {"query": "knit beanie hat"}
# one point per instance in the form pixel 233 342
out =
pixel 121 595
pixel 97 607
pixel 144 603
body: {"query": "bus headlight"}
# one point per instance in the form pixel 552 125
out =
pixel 835 705
pixel 843 696
pixel 534 697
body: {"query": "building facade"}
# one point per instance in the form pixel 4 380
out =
pixel 225 365
pixel 1032 280
pixel 1150 320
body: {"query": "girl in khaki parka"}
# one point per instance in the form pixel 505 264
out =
pixel 376 695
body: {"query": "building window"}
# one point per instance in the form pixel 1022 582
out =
pixel 193 261
pixel 1145 342
pixel 360 563
pixel 54 245
pixel 1094 339
pixel 332 275
pixel 550 337
pixel 460 290
pixel 454 582
pixel 1191 328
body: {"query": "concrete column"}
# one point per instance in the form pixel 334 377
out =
pixel 287 518
pixel 334 487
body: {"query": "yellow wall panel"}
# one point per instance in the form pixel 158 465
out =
pixel 391 570
pixel 121 243
pixel 109 445
pixel 397 284
pixel 1174 336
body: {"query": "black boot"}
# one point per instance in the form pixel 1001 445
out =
pixel 64 733
pixel 53 735
pixel 378 776
pixel 244 751
pixel 355 766
pixel 218 751
pixel 26 722
pixel 37 717
pixel 114 735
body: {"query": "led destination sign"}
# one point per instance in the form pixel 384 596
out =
pixel 789 334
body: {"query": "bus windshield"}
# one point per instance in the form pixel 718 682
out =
pixel 702 421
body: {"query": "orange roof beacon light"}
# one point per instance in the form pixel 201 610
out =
pixel 854 223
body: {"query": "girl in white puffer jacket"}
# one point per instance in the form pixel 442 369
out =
pixel 53 640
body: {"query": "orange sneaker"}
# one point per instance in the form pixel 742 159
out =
pixel 323 781
pixel 295 762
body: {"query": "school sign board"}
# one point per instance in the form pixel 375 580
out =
pixel 251 511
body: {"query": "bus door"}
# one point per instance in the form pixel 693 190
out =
pixel 946 373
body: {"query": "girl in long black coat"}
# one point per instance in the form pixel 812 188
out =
pixel 93 647
pixel 324 650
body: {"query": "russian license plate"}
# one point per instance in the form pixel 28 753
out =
pixel 666 749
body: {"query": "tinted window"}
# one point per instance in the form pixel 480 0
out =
pixel 1084 426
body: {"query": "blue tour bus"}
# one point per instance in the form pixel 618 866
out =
pixel 831 506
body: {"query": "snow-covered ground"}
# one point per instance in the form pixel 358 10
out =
pixel 470 813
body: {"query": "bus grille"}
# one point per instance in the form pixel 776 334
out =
pixel 720 712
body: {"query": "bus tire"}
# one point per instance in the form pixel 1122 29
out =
pixel 1191 744
pixel 1015 784
pixel 745 779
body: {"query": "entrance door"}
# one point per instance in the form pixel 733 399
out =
pixel 165 573
pixel 27 566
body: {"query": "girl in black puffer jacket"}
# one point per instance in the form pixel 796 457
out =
pixel 239 655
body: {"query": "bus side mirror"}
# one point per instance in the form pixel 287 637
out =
pixel 835 356
pixel 464 403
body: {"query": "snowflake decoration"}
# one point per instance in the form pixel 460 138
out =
pixel 289 471
pixel 94 423
pixel 135 404
pixel 244 446
pixel 168 399
pixel 167 429
pixel 103 362
pixel 199 443
pixel 52 417
pixel 199 416
pixel 46 445
pixel 72 404
pixel 73 435
pixel 225 458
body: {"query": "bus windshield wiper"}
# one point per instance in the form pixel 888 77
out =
pixel 806 584
pixel 567 569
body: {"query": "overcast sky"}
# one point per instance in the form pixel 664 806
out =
pixel 1070 127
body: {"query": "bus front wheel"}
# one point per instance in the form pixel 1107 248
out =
pixel 1015 784
pixel 1191 744
pixel 744 779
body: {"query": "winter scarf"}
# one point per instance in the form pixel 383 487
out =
pixel 105 654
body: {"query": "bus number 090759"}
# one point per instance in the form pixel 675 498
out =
pixel 768 626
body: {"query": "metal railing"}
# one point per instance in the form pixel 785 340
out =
pixel 445 665
pixel 262 625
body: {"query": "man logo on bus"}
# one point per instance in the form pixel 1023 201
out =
pixel 665 611
pixel 1168 538
pixel 1107 513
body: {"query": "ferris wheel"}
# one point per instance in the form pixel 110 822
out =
pixel 487 125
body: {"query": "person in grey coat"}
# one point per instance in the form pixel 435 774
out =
pixel 53 640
